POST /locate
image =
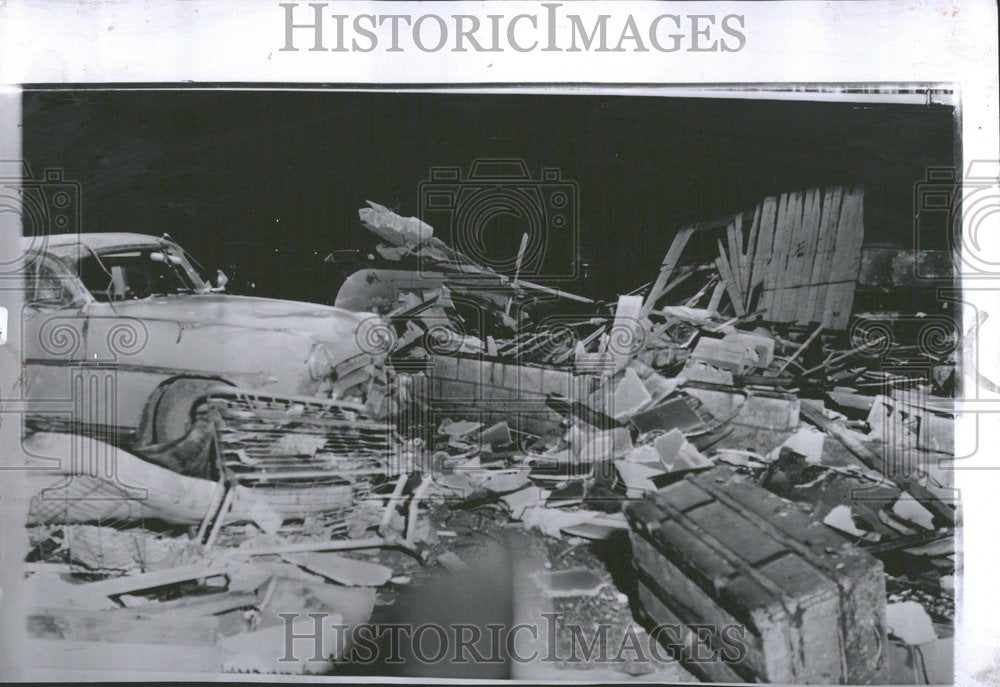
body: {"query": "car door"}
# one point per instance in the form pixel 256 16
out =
pixel 136 353
pixel 54 344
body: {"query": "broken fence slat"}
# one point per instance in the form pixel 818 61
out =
pixel 787 302
pixel 773 268
pixel 846 260
pixel 804 311
pixel 762 251
pixel 790 247
pixel 726 274
pixel 799 276
pixel 734 253
pixel 832 217
pixel 829 214
pixel 670 261
pixel 751 258
pixel 772 281
pixel 741 257
pixel 717 291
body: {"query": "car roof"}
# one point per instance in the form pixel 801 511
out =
pixel 96 242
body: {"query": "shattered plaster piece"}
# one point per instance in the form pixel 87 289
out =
pixel 909 621
pixel 840 519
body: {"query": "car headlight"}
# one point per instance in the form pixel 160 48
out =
pixel 320 362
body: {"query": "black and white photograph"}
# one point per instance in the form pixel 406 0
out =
pixel 563 382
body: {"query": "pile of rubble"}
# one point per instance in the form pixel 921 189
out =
pixel 764 461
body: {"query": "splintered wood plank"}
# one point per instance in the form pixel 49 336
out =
pixel 730 252
pixel 762 251
pixel 750 257
pixel 794 266
pixel 783 244
pixel 771 268
pixel 786 304
pixel 726 274
pixel 670 261
pixel 851 264
pixel 736 257
pixel 846 261
pixel 829 216
pixel 810 230
pixel 835 211
pixel 716 298
pixel 151 580
pixel 791 248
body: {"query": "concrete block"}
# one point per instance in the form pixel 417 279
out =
pixel 698 371
pixel 445 366
pixel 731 356
pixel 762 346
pixel 717 549
pixel 531 380
pixel 556 381
pixel 511 376
pixel 774 413
pixel 493 373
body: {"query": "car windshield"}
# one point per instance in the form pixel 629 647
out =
pixel 138 273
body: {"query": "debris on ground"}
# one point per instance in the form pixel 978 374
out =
pixel 736 406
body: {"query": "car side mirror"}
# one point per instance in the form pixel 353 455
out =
pixel 220 281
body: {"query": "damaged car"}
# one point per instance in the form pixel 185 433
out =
pixel 125 332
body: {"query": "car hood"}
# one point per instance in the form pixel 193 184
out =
pixel 328 324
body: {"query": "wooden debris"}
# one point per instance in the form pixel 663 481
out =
pixel 626 331
pixel 670 262
pixel 194 605
pixel 120 626
pixel 130 584
pixel 799 262
pixel 798 351
pixel 872 460
pixel 343 570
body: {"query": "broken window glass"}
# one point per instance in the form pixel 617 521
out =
pixel 136 274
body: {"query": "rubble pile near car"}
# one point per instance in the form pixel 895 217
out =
pixel 127 559
pixel 744 361
pixel 773 451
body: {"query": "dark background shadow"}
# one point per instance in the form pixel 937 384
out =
pixel 266 184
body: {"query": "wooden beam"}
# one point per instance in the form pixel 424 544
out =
pixel 942 511
pixel 136 583
pixel 114 626
pixel 670 261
